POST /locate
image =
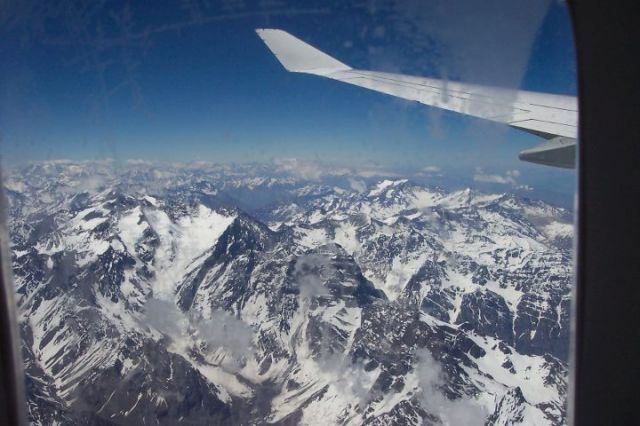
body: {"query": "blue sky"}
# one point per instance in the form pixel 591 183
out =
pixel 192 81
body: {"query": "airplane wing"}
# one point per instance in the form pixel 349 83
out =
pixel 552 117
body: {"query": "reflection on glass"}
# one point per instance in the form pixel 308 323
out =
pixel 201 237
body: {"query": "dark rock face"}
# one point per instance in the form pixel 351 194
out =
pixel 44 405
pixel 488 314
pixel 437 303
pixel 181 307
pixel 542 325
pixel 108 272
pixel 161 388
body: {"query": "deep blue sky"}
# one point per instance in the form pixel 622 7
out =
pixel 82 83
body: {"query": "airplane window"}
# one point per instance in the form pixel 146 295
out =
pixel 280 212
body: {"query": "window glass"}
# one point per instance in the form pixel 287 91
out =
pixel 324 221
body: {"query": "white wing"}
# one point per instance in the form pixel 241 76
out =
pixel 553 117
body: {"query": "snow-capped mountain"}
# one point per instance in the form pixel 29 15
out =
pixel 166 295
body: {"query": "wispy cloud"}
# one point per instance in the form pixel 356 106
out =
pixel 310 272
pixel 301 169
pixel 357 185
pixel 350 377
pixel 226 331
pixel 510 177
pixel 221 331
pixel 432 379
pixel 431 169
pixel 316 170
pixel 165 317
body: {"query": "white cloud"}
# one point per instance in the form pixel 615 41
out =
pixel 508 178
pixel 226 331
pixel 431 379
pixel 431 169
pixel 374 173
pixel 138 162
pixel 165 317
pixel 309 272
pixel 316 170
pixel 487 178
pixel 221 330
pixel 302 169
pixel 347 376
pixel 357 185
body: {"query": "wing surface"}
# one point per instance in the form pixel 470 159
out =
pixel 544 114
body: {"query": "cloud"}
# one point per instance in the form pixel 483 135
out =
pixel 138 162
pixel 226 331
pixel 309 273
pixel 431 380
pixel 435 221
pixel 92 184
pixel 221 331
pixel 357 185
pixel 302 169
pixel 509 178
pixel 165 317
pixel 315 170
pixel 431 169
pixel 374 173
pixel 487 178
pixel 347 376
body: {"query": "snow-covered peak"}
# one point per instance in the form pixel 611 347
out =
pixel 384 186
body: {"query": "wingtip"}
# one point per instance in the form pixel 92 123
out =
pixel 265 31
pixel 296 55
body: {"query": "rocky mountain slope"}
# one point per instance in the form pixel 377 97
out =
pixel 163 295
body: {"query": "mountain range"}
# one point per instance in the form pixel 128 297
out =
pixel 200 294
